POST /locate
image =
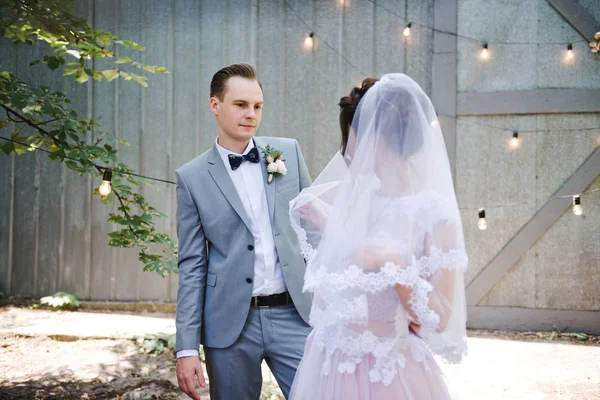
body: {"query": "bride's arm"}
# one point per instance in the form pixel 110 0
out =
pixel 437 292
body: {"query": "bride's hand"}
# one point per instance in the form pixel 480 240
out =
pixel 314 213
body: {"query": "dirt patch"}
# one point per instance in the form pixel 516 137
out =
pixel 68 360
pixel 43 368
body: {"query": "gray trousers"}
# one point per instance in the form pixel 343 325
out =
pixel 274 334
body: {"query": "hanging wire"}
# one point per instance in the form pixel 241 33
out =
pixel 120 171
pixel 477 40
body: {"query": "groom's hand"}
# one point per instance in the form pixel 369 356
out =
pixel 187 368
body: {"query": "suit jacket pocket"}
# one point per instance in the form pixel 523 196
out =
pixel 211 279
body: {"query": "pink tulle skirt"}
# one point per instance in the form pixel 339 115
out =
pixel 413 381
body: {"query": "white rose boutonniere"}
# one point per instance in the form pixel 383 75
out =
pixel 275 164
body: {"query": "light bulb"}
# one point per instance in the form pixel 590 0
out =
pixel 105 188
pixel 406 31
pixel 485 53
pixel 570 53
pixel 482 223
pixel 308 42
pixel 514 142
pixel 577 210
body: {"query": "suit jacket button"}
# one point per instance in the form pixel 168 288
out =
pixel 248 280
pixel 250 247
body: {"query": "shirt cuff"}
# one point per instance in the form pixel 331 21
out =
pixel 187 353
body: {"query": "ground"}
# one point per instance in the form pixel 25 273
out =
pixel 61 355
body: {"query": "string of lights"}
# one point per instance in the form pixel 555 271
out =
pixel 105 187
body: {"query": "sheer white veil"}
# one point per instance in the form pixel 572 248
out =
pixel 384 216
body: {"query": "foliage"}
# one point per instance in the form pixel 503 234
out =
pixel 61 301
pixel 42 119
pixel 158 343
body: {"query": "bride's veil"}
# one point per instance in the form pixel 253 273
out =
pixel 391 193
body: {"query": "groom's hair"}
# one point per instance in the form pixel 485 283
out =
pixel 218 85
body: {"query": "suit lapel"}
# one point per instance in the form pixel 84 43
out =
pixel 269 189
pixel 221 177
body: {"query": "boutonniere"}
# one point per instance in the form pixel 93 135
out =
pixel 275 164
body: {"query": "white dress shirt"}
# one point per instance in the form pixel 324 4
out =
pixel 249 184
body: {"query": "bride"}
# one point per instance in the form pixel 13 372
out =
pixel 382 235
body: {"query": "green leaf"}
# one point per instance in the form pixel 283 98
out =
pixel 110 74
pixel 18 101
pixel 7 147
pixel 81 76
pixel 132 45
pixel 140 79
pixel 123 60
pixel 72 165
pixel 108 199
pixel 154 69
pixel 19 149
pixel 53 63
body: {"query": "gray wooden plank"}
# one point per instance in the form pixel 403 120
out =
pixel 579 18
pixel 26 187
pixel 419 46
pixel 76 207
pixel 298 76
pixel 186 101
pixel 105 103
pixel 49 207
pixel 213 56
pixel 325 93
pixel 7 55
pixel 156 145
pixel 239 21
pixel 529 102
pixel 443 74
pixel 357 36
pixel 389 44
pixel 270 66
pixel 533 230
pixel 533 319
pixel 74 255
pixel 131 22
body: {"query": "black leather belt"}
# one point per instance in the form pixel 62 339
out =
pixel 280 299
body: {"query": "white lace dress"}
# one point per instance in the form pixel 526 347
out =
pixel 376 355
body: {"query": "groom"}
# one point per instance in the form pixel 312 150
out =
pixel 240 268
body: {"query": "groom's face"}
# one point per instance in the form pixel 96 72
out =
pixel 239 114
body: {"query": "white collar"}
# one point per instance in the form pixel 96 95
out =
pixel 224 153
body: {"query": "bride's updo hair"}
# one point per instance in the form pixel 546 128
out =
pixel 348 106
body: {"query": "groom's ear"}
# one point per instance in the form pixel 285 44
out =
pixel 214 105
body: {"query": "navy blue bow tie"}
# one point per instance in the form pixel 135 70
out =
pixel 235 161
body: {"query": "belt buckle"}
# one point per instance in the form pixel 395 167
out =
pixel 255 303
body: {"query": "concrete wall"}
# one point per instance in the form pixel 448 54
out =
pixel 561 270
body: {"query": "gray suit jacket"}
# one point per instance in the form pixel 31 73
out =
pixel 216 262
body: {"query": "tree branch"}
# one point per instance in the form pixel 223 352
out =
pixel 122 204
pixel 28 122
